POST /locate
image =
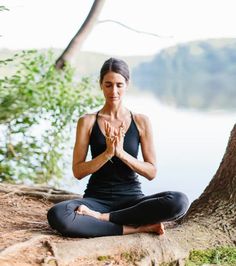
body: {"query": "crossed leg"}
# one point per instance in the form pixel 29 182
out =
pixel 89 217
pixel 157 228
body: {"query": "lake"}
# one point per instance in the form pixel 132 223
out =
pixel 189 145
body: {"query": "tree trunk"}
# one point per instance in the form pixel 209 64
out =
pixel 81 35
pixel 216 207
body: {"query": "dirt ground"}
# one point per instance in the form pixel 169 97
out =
pixel 23 219
pixel 27 239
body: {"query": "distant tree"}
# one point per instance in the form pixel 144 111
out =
pixel 196 75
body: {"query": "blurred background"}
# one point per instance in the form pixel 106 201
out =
pixel 182 57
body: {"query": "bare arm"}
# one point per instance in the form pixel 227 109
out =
pixel 147 167
pixel 80 167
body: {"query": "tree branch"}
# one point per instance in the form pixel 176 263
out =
pixel 132 29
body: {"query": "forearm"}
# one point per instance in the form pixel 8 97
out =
pixel 83 169
pixel 145 169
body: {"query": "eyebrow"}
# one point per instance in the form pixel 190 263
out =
pixel 109 82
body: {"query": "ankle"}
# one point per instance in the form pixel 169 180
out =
pixel 104 216
pixel 142 229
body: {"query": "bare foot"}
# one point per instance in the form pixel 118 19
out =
pixel 154 228
pixel 84 210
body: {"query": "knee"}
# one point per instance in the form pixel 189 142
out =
pixel 180 204
pixel 58 219
pixel 53 216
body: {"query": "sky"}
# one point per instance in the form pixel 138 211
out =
pixel 53 23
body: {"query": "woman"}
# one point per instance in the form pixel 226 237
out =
pixel 113 203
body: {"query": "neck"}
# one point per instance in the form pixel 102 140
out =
pixel 115 111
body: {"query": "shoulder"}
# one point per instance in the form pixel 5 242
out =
pixel 87 118
pixel 142 122
pixel 141 119
pixel 86 121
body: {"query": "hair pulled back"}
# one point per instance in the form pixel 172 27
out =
pixel 115 65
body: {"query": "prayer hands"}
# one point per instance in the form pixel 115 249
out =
pixel 114 139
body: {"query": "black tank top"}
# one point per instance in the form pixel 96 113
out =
pixel 114 179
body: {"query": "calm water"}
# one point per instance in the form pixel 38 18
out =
pixel 189 146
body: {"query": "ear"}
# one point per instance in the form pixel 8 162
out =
pixel 100 83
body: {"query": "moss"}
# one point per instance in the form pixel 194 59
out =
pixel 132 256
pixel 173 263
pixel 224 256
pixel 103 258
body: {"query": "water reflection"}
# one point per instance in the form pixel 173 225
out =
pixel 189 146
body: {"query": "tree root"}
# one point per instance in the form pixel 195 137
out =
pixel 40 192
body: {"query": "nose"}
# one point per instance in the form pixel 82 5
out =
pixel 114 89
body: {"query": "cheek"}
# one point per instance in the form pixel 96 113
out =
pixel 124 90
pixel 105 91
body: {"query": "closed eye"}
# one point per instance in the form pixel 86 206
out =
pixel 120 85
pixel 110 85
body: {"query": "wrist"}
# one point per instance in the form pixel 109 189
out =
pixel 108 156
pixel 120 154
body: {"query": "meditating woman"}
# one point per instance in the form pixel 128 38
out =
pixel 113 202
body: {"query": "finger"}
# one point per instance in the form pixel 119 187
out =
pixel 116 140
pixel 121 133
pixel 122 126
pixel 112 129
pixel 107 129
pixel 105 126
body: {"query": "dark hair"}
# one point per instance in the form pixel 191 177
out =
pixel 116 65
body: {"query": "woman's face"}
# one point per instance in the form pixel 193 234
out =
pixel 114 86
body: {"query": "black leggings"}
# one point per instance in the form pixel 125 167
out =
pixel 134 211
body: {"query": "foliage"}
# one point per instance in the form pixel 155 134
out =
pixel 3 8
pixel 225 256
pixel 38 106
pixel 197 75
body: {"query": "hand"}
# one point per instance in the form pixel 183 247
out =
pixel 110 139
pixel 119 140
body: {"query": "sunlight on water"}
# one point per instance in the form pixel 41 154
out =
pixel 189 146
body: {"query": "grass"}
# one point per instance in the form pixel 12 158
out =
pixel 224 256
pixel 221 256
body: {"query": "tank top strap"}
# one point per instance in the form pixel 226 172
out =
pixel 131 114
pixel 97 115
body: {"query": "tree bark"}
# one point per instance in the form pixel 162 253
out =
pixel 216 207
pixel 81 35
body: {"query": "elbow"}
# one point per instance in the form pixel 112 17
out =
pixel 77 174
pixel 78 170
pixel 153 173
